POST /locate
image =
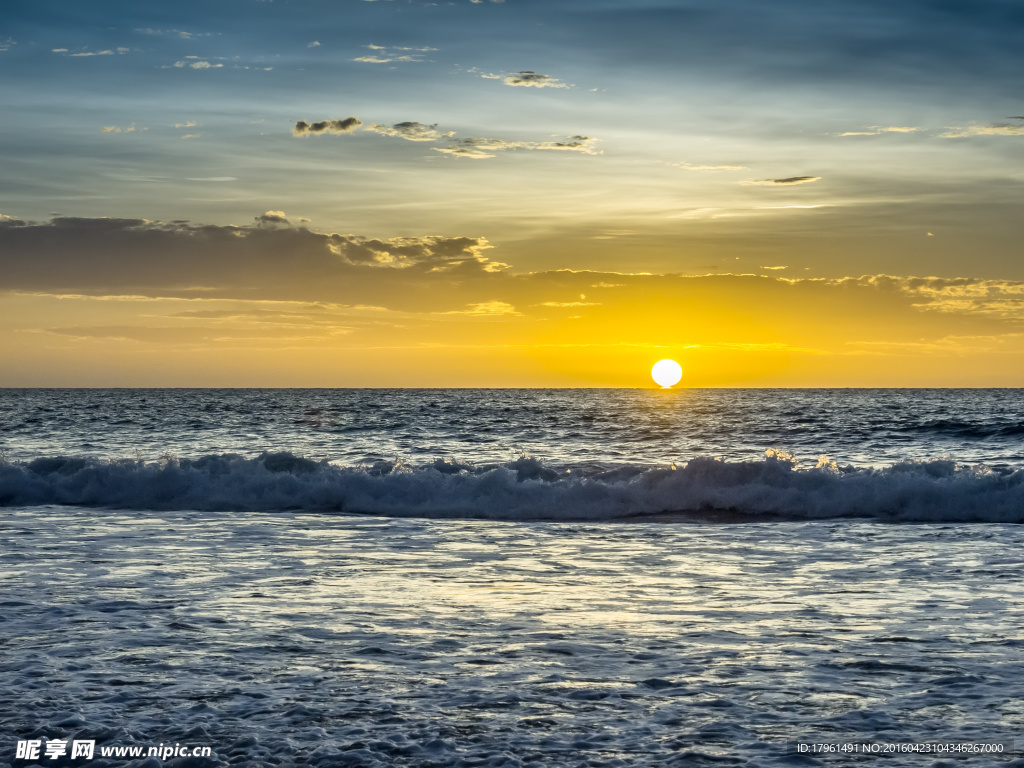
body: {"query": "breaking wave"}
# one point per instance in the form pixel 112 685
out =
pixel 525 489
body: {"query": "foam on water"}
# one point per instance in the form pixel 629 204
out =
pixel 279 593
pixel 315 640
pixel 525 489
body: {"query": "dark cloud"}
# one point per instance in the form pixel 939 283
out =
pixel 411 131
pixel 484 148
pixel 789 181
pixel 348 125
pixel 268 259
pixel 528 79
pixel 448 283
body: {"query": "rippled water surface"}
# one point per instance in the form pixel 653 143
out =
pixel 863 427
pixel 434 578
pixel 299 639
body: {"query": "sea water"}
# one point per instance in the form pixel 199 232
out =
pixel 512 577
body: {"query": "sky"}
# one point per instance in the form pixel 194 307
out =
pixel 398 193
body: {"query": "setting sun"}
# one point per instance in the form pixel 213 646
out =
pixel 667 373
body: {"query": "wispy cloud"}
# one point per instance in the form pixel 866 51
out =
pixel 479 149
pixel 197 64
pixel 314 44
pixel 789 181
pixel 485 309
pixel 118 129
pixel 348 125
pixel 878 130
pixel 186 124
pixel 411 131
pixel 469 152
pixel 383 54
pixel 7 44
pixel 997 298
pixel 997 129
pixel 709 168
pixel 179 33
pixel 81 54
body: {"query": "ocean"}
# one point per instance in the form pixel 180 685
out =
pixel 512 577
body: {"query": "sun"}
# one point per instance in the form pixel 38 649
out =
pixel 666 373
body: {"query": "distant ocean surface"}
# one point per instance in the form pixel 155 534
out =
pixel 914 455
pixel 513 578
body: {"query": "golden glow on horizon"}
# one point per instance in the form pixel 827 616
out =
pixel 667 373
pixel 542 330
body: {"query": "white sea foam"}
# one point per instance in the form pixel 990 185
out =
pixel 526 489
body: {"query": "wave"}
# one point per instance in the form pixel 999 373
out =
pixel 525 489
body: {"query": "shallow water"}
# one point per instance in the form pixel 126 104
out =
pixel 314 639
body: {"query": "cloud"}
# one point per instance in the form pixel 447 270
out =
pixel 689 167
pixel 7 44
pixel 484 148
pixel 348 125
pixel 314 44
pixel 383 54
pixel 445 291
pixel 964 295
pixel 876 131
pixel 460 151
pixel 386 59
pixel 179 33
pixel 436 253
pixel 118 129
pixel 269 258
pixel 485 308
pixel 791 180
pixel 528 79
pixel 272 217
pixel 106 52
pixel 775 268
pixel 199 64
pixel 998 129
pixel 186 124
pixel 411 131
